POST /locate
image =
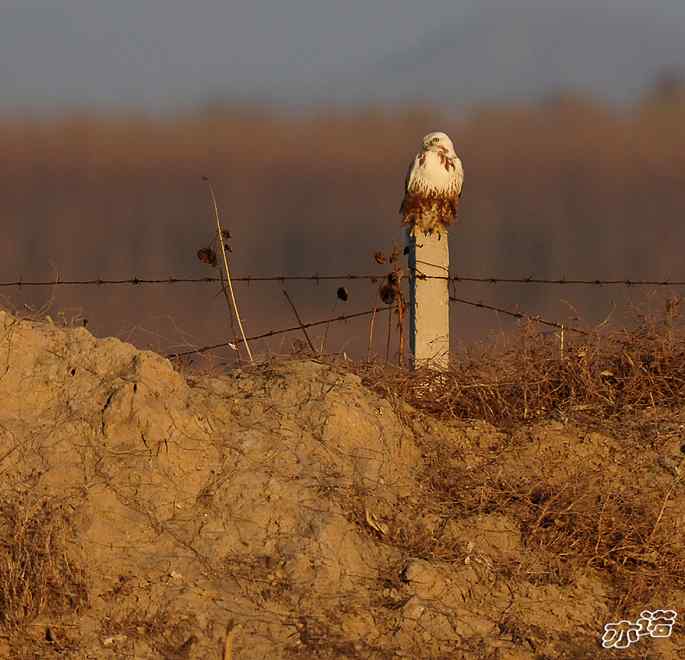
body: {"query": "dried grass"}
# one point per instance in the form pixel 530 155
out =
pixel 613 526
pixel 38 570
pixel 532 375
pixel 623 524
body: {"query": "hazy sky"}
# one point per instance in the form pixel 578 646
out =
pixel 161 54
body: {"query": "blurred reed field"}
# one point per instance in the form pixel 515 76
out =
pixel 566 188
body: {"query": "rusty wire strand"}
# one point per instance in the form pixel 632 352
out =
pixel 519 315
pixel 273 333
pixel 345 317
pixel 349 276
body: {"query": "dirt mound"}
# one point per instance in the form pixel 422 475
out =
pixel 287 511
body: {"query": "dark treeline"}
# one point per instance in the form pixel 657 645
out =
pixel 565 188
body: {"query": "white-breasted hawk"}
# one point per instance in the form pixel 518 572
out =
pixel 433 186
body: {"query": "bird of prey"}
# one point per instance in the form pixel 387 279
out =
pixel 433 186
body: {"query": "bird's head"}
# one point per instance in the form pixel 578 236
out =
pixel 438 141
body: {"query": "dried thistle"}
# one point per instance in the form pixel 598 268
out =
pixel 390 288
pixel 207 256
pixel 226 236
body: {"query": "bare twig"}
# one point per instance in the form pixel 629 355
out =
pixel 371 324
pixel 325 333
pixel 400 325
pixel 220 238
pixel 387 344
pixel 231 632
pixel 299 320
pixel 661 511
pixel 235 337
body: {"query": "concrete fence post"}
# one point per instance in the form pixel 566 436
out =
pixel 429 303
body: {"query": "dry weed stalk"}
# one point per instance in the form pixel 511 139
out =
pixel 390 292
pixel 400 311
pixel 220 239
pixel 299 320
pixel 231 632
pixel 387 343
pixel 371 325
pixel 341 294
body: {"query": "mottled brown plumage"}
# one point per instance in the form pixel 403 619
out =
pixel 433 186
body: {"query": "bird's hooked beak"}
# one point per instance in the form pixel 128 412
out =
pixel 430 145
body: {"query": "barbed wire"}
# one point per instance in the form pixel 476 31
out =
pixel 134 281
pixel 351 276
pixel 273 333
pixel 345 317
pixel 560 281
pixel 519 315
